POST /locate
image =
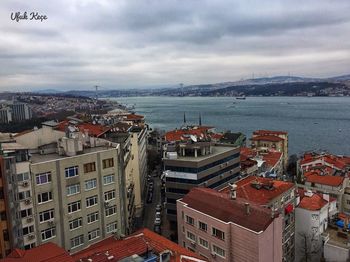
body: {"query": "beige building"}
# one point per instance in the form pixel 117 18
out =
pixel 270 140
pixel 138 168
pixel 78 188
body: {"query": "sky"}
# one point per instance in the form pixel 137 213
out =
pixel 156 43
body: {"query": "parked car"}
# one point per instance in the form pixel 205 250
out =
pixel 150 197
pixel 157 221
pixel 159 208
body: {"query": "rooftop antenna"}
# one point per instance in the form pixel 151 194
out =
pixel 200 119
pixel 184 117
pixel 96 93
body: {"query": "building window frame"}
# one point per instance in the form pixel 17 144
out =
pixel 43 178
pixel 71 171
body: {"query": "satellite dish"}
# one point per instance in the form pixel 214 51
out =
pixel 193 138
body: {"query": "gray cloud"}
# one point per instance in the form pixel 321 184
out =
pixel 120 44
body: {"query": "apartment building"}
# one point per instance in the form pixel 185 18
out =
pixel 278 196
pixel 20 111
pixel 5 115
pixel 17 210
pixel 312 214
pixel 138 161
pixel 272 141
pixel 78 186
pixel 197 163
pixel 222 227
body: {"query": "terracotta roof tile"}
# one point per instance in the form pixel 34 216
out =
pixel 48 252
pixel 313 203
pixel 260 196
pixel 138 243
pixel 269 132
pixel 269 138
pixel 206 201
pixel 134 117
pixel 93 130
pixel 325 180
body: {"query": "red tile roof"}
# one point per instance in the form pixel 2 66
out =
pixel 48 252
pixel 324 180
pixel 179 134
pixel 260 196
pixel 246 152
pixel 313 203
pixel 93 130
pixel 336 162
pixel 206 200
pixel 134 117
pixel 267 138
pixel 269 132
pixel 271 158
pixel 138 243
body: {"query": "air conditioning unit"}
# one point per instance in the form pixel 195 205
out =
pixel 106 203
pixel 31 236
pixel 213 254
pixel 193 244
pixel 50 223
pixel 25 184
pixel 27 201
pixel 29 219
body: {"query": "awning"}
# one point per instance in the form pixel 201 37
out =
pixel 288 209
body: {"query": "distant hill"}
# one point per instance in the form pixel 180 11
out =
pixel 264 86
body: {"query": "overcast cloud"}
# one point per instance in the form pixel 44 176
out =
pixel 148 43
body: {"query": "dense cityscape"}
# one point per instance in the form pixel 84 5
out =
pixel 100 184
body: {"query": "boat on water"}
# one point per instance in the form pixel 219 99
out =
pixel 241 97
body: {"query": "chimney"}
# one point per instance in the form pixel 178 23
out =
pixel 233 191
pixel 247 208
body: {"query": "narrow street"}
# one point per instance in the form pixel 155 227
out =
pixel 150 209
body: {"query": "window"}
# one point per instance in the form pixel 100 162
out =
pixel 190 220
pixel 94 234
pixel 90 184
pixel 91 201
pixel 48 233
pixel 27 230
pixel 44 197
pixel 71 171
pixel 23 177
pixel 43 178
pixel 202 226
pixel 73 189
pixel 46 215
pixel 92 217
pixel 106 163
pixel 26 212
pixel 219 251
pixel 111 227
pixel 111 210
pixel 191 236
pixel 23 195
pixel 218 233
pixel 76 223
pixel 74 206
pixel 204 243
pixel 109 179
pixel 109 195
pixel 77 241
pixel 89 167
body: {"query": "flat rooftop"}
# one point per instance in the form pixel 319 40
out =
pixel 216 150
pixel 38 158
pixel 336 240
